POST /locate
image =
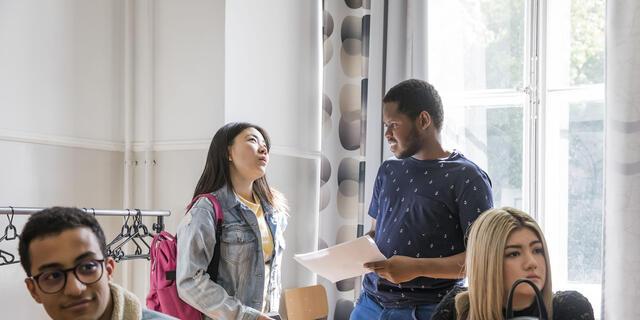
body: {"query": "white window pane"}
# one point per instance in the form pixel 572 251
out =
pixel 476 45
pixel 585 192
pixel 573 190
pixel 573 193
pixel 587 41
pixel 491 136
pixel 576 42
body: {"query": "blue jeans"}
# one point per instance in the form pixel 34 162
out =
pixel 368 309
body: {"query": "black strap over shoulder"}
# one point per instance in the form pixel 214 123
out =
pixel 218 215
pixel 212 270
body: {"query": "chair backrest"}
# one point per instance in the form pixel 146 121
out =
pixel 306 303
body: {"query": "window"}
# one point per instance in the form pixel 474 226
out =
pixel 476 62
pixel 573 177
pixel 522 85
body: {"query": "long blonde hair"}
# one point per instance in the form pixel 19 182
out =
pixel 484 264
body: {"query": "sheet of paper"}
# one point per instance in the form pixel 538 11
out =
pixel 342 261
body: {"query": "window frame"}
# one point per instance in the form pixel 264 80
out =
pixel 536 22
pixel 537 94
pixel 534 97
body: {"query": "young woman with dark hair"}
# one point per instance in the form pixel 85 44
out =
pixel 251 241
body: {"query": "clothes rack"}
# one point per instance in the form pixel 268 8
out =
pixel 118 254
pixel 157 227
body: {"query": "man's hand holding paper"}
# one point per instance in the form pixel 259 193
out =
pixel 396 269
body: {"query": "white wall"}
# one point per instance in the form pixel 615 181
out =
pixel 188 70
pixel 273 78
pixel 61 127
pixel 59 69
pixel 179 104
pixel 69 69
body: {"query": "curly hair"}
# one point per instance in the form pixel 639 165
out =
pixel 414 96
pixel 51 222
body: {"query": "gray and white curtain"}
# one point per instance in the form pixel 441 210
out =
pixel 621 284
pixel 345 72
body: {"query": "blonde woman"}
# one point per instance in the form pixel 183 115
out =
pixel 505 245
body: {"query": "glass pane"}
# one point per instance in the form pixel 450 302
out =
pixel 575 53
pixel 587 41
pixel 490 136
pixel 573 194
pixel 585 191
pixel 504 151
pixel 476 45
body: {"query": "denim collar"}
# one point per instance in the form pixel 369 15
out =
pixel 228 200
pixel 226 197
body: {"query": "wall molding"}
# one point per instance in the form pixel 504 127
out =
pixel 178 145
pixel 137 146
pixel 60 141
pixel 296 153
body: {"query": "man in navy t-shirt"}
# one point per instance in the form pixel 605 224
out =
pixel 424 200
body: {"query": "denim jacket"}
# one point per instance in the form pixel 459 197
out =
pixel 238 292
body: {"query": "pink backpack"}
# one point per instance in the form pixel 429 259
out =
pixel 163 294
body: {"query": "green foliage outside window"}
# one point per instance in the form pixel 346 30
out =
pixel 504 21
pixel 587 41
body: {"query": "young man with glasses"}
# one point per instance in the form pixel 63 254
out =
pixel 63 252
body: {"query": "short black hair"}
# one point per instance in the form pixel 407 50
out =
pixel 414 96
pixel 53 221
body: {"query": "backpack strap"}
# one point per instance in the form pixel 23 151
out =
pixel 212 270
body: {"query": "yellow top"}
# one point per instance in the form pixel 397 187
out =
pixel 265 232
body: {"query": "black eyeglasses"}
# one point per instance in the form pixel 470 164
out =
pixel 88 272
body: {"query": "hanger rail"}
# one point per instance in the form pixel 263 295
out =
pixel 95 212
pixel 136 230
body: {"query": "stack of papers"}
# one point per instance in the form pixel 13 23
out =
pixel 342 261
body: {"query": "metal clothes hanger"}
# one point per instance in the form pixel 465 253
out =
pixel 7 257
pixel 125 233
pixel 136 234
pixel 10 233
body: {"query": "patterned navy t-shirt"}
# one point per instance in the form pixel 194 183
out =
pixel 422 210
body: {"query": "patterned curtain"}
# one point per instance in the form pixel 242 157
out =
pixel 346 52
pixel 621 279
